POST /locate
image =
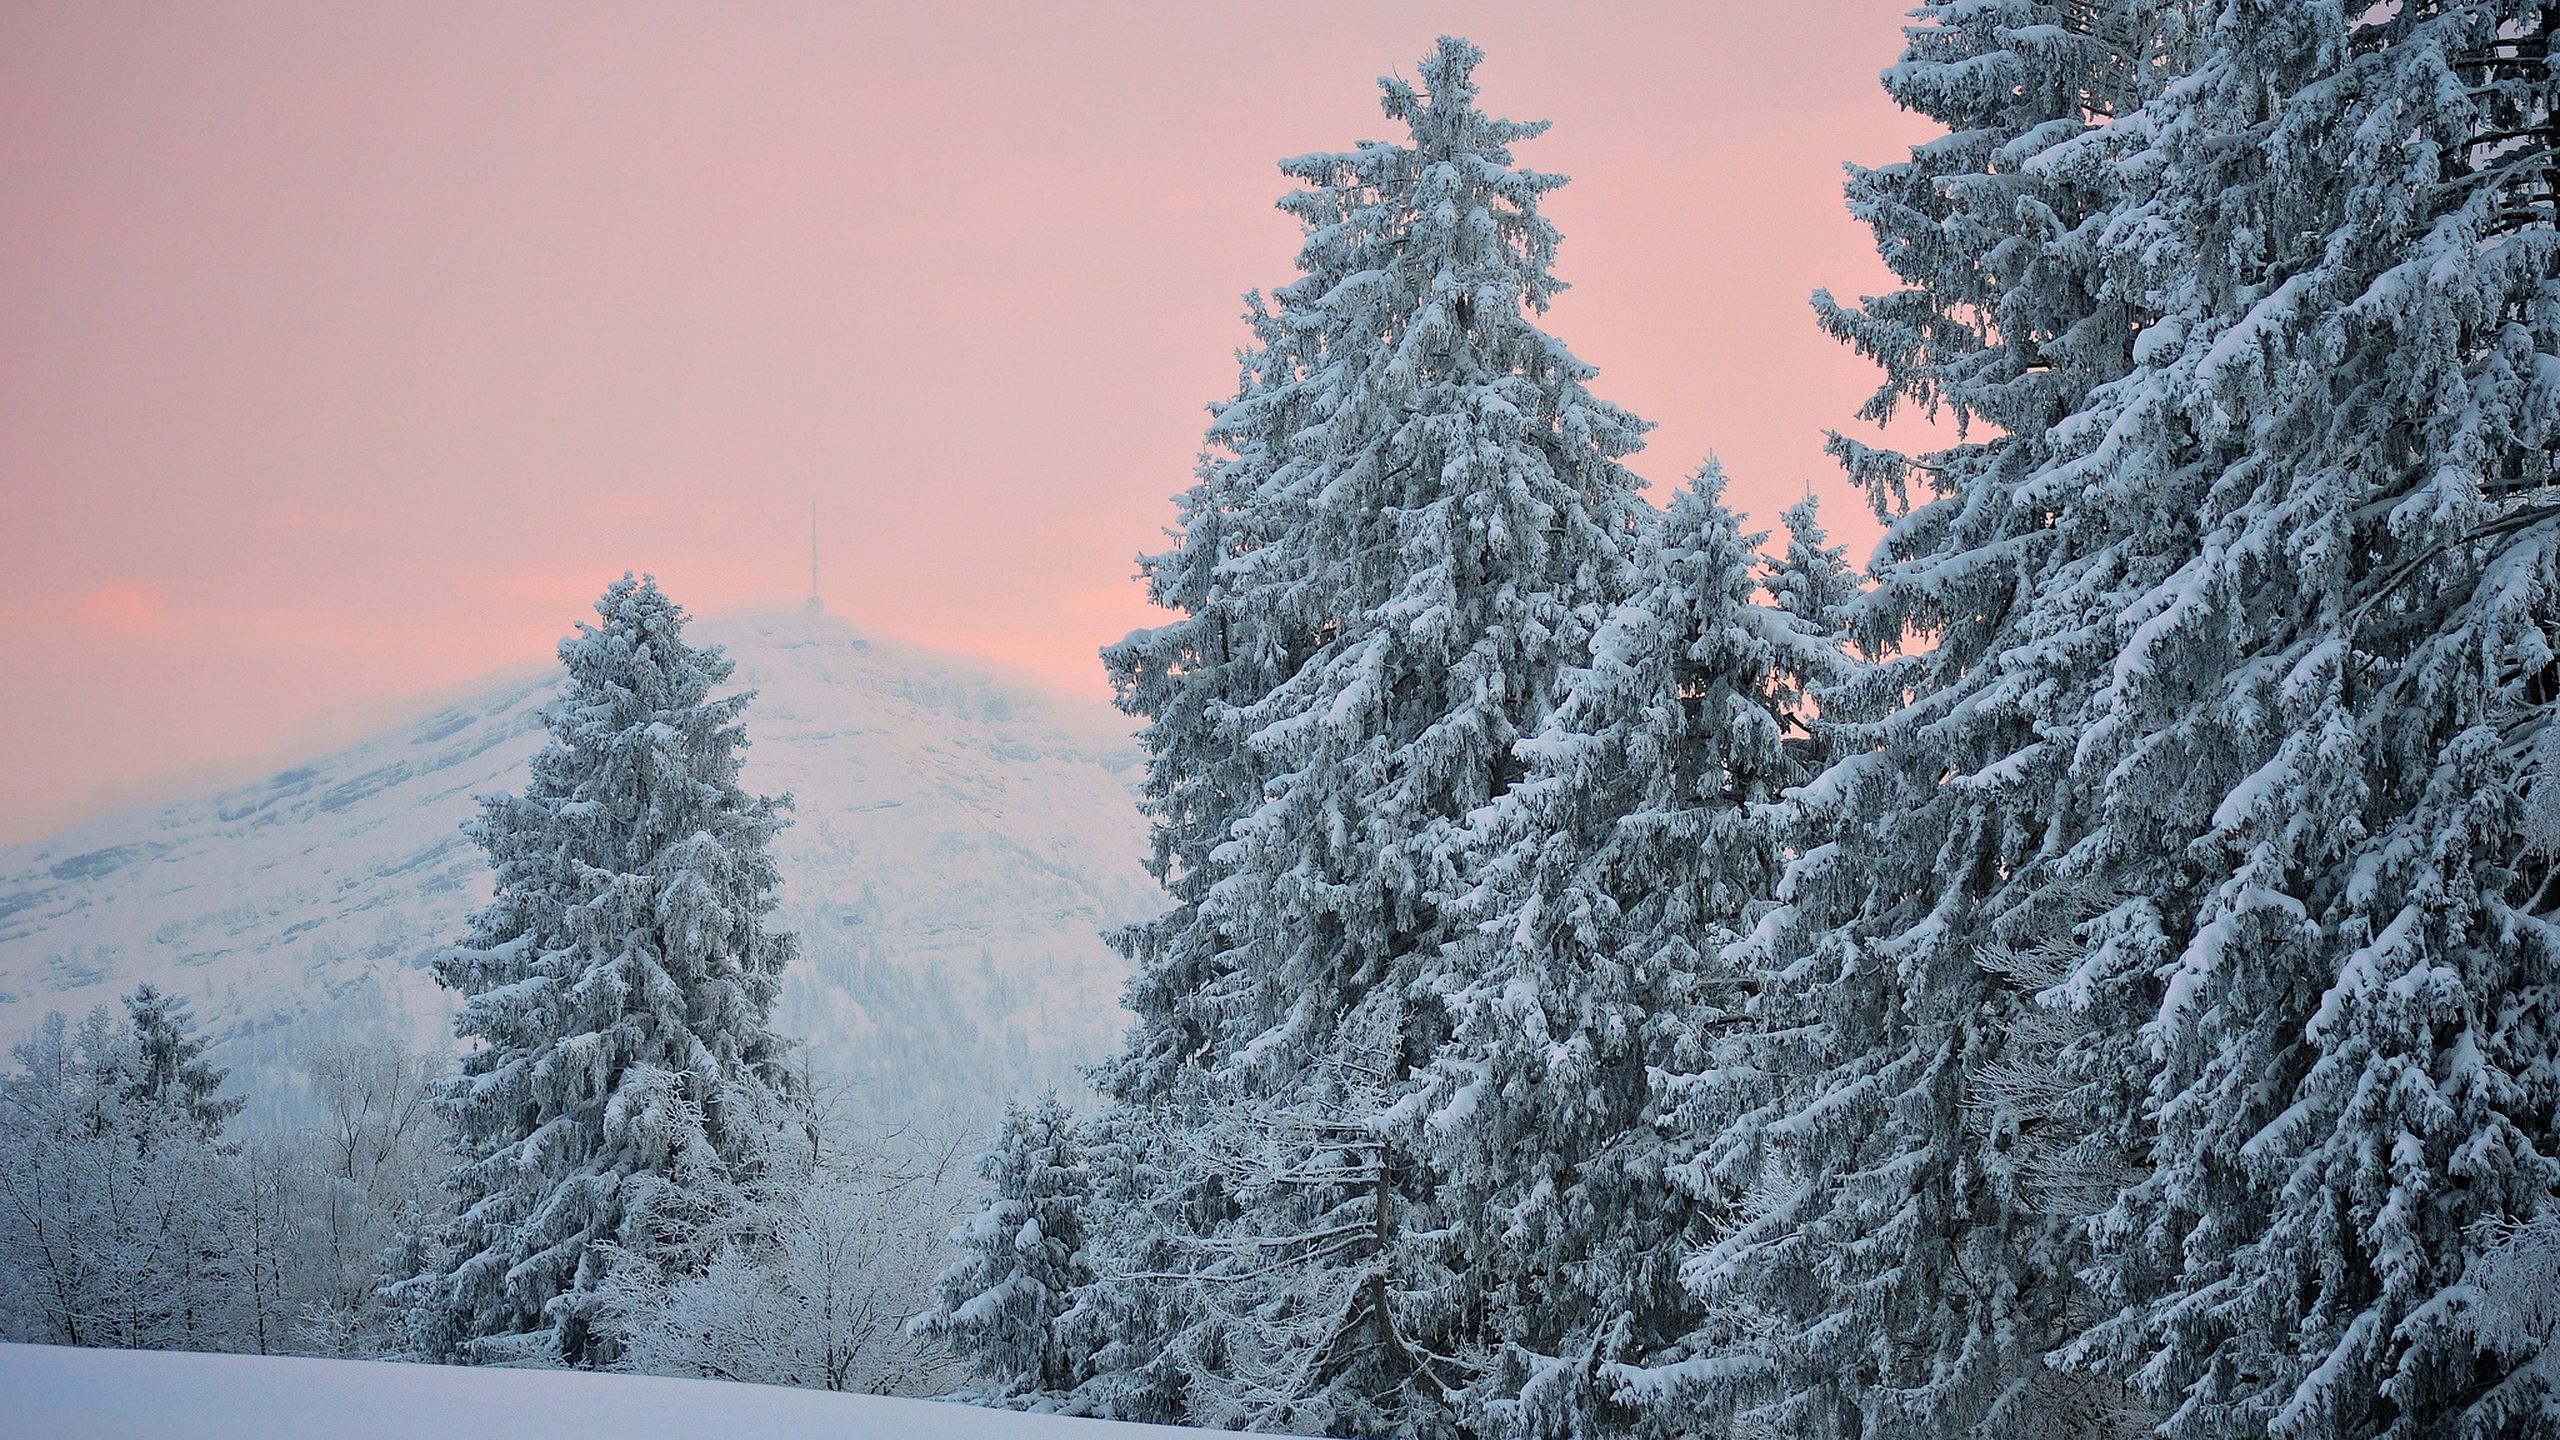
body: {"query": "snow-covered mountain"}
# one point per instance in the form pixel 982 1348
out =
pixel 959 843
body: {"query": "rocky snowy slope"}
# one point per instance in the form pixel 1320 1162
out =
pixel 66 1394
pixel 959 842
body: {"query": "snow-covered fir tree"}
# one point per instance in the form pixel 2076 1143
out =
pixel 2315 718
pixel 1413 517
pixel 1626 859
pixel 1192 680
pixel 1813 582
pixel 1888 1273
pixel 1133 1327
pixel 618 987
pixel 1727 1070
pixel 1314 1308
pixel 170 1071
pixel 2180 948
pixel 1023 1256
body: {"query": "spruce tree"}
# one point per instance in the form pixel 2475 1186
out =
pixel 1813 583
pixel 2179 934
pixel 1625 861
pixel 618 987
pixel 1739 1062
pixel 119 1206
pixel 1138 1336
pixel 1023 1256
pixel 1413 517
pixel 170 1073
pixel 1899 1277
pixel 2322 725
pixel 1190 681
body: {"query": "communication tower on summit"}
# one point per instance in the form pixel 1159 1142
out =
pixel 816 606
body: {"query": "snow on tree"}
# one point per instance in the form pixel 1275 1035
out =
pixel 1812 583
pixel 1191 681
pixel 1886 1271
pixel 1626 859
pixel 170 1070
pixel 837 1244
pixel 1738 1064
pixel 372 1170
pixel 118 1211
pixel 1136 1331
pixel 2305 740
pixel 2181 949
pixel 125 1221
pixel 618 985
pixel 1309 1319
pixel 2519 1278
pixel 1023 1255
pixel 1413 517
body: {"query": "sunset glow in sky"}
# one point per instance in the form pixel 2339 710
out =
pixel 346 352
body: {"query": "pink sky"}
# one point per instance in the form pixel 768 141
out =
pixel 347 351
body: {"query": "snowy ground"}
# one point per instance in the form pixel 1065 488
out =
pixel 50 1393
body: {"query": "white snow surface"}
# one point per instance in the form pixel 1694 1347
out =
pixel 58 1393
pixel 959 844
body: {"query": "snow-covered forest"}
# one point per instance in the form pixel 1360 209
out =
pixel 2091 969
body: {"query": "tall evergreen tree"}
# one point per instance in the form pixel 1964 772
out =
pixel 1900 1277
pixel 2323 721
pixel 1192 681
pixel 2180 947
pixel 1625 861
pixel 1739 1064
pixel 1414 516
pixel 1130 1326
pixel 618 986
pixel 170 1072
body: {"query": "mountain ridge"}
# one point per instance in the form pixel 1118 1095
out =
pixel 959 842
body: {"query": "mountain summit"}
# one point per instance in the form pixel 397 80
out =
pixel 958 844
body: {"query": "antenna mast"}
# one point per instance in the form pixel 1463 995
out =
pixel 816 605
